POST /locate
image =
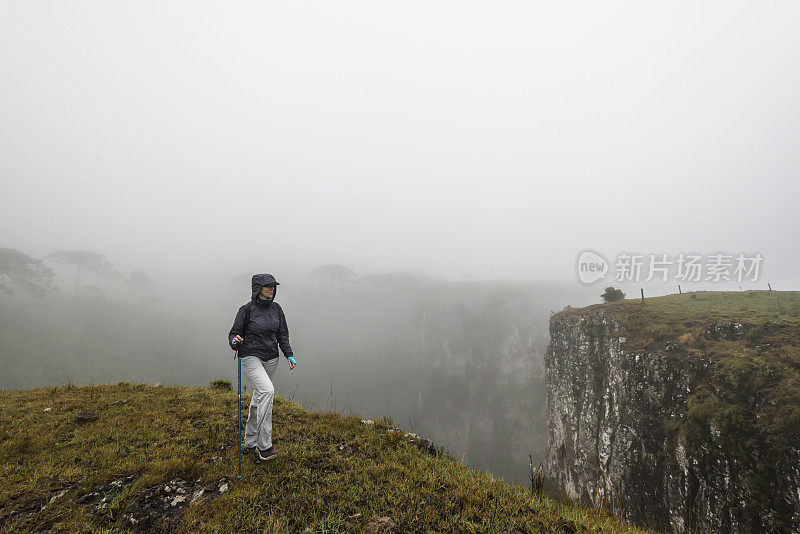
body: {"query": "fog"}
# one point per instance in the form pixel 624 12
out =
pixel 458 362
pixel 455 156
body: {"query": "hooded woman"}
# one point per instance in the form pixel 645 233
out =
pixel 258 329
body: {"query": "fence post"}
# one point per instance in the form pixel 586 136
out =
pixel 642 290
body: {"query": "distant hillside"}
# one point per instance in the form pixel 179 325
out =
pixel 683 409
pixel 139 457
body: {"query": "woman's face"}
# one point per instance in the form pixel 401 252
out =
pixel 267 291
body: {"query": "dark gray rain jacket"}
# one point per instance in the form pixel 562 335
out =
pixel 261 323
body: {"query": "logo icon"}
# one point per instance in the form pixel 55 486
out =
pixel 591 266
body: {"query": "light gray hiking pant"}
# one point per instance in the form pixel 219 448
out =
pixel 258 431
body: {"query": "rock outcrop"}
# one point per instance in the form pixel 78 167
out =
pixel 618 433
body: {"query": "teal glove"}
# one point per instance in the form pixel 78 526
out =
pixel 291 360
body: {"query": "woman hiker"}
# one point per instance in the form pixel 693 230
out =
pixel 259 327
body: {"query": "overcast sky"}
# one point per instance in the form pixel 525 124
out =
pixel 491 140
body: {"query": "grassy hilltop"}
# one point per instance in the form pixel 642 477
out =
pixel 164 458
pixel 775 316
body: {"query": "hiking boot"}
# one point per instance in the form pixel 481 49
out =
pixel 268 454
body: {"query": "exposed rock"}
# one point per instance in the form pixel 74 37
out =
pixel 379 524
pixel 106 492
pixel 611 435
pixel 725 331
pixel 155 507
pixel 162 504
pixel 425 445
pixel 57 496
pixel 346 449
pixel 85 417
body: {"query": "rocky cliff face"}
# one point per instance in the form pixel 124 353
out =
pixel 619 432
pixel 480 382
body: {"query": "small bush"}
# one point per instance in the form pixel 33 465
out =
pixel 219 383
pixel 612 294
pixel 536 475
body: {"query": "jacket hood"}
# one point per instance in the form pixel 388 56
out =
pixel 259 280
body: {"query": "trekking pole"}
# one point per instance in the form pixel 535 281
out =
pixel 239 413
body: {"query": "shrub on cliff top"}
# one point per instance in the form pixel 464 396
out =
pixel 612 294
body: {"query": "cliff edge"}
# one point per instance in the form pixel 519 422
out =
pixel 682 412
pixel 141 458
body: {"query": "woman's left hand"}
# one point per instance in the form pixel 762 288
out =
pixel 292 363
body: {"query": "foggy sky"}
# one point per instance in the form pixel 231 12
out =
pixel 485 140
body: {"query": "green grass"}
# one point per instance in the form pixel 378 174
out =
pixel 669 317
pixel 163 432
